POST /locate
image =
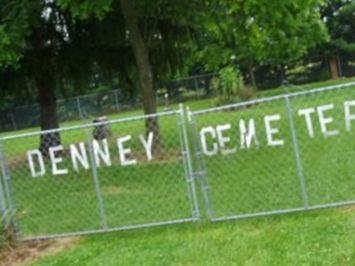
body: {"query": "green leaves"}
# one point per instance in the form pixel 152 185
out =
pixel 339 18
pixel 258 31
pixel 14 24
pixel 86 8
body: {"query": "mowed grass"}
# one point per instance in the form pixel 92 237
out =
pixel 315 238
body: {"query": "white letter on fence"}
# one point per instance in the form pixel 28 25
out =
pixel 247 135
pixel 324 121
pixel 148 145
pixel 99 153
pixel 224 140
pixel 307 115
pixel 38 154
pixel 124 152
pixel 80 157
pixel 56 160
pixel 348 116
pixel 270 131
pixel 208 130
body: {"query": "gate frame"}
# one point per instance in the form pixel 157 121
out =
pixel 185 162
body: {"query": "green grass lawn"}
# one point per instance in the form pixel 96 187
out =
pixel 315 238
pixel 195 104
pixel 249 181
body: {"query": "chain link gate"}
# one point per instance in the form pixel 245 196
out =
pixel 116 175
pixel 280 154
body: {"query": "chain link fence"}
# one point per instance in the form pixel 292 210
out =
pixel 71 109
pixel 105 103
pixel 284 153
pixel 264 76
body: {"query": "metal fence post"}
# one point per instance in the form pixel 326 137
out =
pixel 196 87
pixel 340 68
pixel 187 161
pixel 296 148
pixel 8 193
pixel 3 208
pixel 13 120
pixel 98 191
pixel 79 107
pixel 116 100
pixel 201 171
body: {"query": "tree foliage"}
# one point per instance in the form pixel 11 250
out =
pixel 256 31
pixel 70 46
pixel 339 17
pixel 15 19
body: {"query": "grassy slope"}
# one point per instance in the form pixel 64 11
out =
pixel 316 238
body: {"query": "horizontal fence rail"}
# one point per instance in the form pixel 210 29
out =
pixel 286 153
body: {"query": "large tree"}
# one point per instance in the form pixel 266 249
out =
pixel 339 17
pixel 40 44
pixel 145 72
pixel 30 38
pixel 153 31
pixel 253 32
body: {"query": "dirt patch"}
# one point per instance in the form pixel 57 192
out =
pixel 349 208
pixel 28 252
pixel 113 190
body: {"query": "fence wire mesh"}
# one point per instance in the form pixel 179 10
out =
pixel 108 176
pixel 273 155
pixel 285 153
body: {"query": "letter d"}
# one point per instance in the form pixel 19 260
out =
pixel 30 155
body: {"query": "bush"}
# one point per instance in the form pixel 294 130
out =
pixel 7 236
pixel 229 86
pixel 2 236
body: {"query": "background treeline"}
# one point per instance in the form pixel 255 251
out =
pixel 52 49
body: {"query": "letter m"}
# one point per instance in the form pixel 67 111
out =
pixel 247 134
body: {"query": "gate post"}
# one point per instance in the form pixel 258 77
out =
pixel 187 161
pixel 296 148
pixel 102 210
pixel 78 105
pixel 3 208
pixel 200 174
pixel 6 197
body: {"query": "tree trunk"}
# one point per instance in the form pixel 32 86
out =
pixel 48 113
pixel 41 67
pixel 145 73
pixel 334 68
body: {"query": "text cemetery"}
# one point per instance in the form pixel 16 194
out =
pixel 214 140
